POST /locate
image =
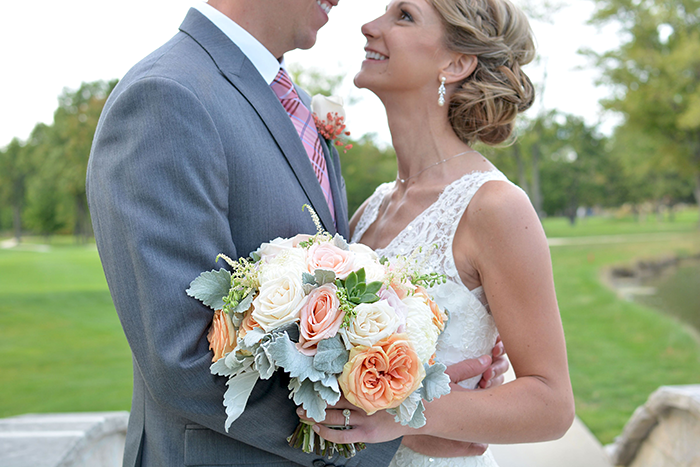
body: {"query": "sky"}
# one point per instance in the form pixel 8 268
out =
pixel 47 45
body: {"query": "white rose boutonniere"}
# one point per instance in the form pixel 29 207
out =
pixel 329 116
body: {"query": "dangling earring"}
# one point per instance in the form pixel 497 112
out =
pixel 441 92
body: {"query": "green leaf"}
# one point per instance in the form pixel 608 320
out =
pixel 331 356
pixel 351 281
pixel 374 287
pixel 211 287
pixel 369 298
pixel 359 289
pixel 237 394
pixel 361 276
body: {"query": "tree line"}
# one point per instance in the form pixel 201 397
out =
pixel 564 164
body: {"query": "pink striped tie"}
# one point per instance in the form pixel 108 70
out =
pixel 304 123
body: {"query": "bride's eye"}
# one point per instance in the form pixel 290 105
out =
pixel 404 15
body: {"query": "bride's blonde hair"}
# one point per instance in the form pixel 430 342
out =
pixel 497 32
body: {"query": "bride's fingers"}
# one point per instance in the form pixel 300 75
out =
pixel 354 435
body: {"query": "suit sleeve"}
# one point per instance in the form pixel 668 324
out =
pixel 158 189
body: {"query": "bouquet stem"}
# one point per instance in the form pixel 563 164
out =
pixel 309 441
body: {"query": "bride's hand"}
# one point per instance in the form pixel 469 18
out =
pixel 376 428
pixel 440 447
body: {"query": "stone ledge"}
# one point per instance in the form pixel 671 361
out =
pixel 94 439
pixel 664 401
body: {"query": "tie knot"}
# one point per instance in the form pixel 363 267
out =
pixel 283 86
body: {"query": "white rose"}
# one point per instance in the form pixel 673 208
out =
pixel 421 331
pixel 365 257
pixel 278 302
pixel 288 263
pixel 321 105
pixel 275 247
pixel 372 323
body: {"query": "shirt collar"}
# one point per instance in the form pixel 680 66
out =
pixel 267 65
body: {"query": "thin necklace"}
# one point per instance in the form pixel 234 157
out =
pixel 404 180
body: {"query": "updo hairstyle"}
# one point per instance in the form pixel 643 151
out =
pixel 484 106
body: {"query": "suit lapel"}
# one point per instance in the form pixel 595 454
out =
pixel 243 75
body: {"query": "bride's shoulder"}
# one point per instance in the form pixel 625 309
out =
pixel 499 209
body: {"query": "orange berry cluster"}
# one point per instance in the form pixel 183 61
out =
pixel 332 128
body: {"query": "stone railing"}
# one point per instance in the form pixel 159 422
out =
pixel 94 439
pixel 663 432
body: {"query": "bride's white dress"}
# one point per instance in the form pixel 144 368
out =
pixel 471 331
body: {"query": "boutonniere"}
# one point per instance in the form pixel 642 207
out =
pixel 329 116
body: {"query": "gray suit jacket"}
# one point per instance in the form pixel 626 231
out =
pixel 195 156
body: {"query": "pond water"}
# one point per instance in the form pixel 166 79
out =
pixel 677 292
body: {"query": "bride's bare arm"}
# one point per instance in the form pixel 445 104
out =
pixel 500 242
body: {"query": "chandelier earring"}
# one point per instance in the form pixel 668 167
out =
pixel 441 92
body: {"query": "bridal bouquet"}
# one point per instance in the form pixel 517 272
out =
pixel 334 316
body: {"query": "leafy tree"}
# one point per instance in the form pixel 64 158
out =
pixel 73 130
pixel 365 167
pixel 656 77
pixel 15 168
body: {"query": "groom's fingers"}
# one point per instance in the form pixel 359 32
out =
pixel 468 369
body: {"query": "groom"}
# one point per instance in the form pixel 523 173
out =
pixel 199 151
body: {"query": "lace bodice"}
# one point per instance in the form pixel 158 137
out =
pixel 471 331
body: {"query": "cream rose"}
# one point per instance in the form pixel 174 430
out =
pixel 278 302
pixel 365 257
pixel 322 105
pixel 330 257
pixel 420 329
pixel 320 318
pixel 372 323
pixel 287 263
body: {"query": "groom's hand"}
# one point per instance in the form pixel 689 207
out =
pixel 492 368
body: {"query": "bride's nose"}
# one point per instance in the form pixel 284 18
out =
pixel 370 30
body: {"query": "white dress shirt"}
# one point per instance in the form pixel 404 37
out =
pixel 267 64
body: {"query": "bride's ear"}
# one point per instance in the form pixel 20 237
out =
pixel 459 68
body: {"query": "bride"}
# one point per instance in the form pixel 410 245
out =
pixel 449 74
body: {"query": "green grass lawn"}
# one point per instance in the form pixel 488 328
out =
pixel 62 348
pixel 61 345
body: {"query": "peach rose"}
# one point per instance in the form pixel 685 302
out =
pixel 222 335
pixel 248 323
pixel 330 257
pixel 382 376
pixel 439 317
pixel 320 318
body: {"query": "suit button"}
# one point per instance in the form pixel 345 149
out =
pixel 319 463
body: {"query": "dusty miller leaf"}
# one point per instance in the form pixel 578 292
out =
pixel 340 242
pixel 436 383
pixel 211 287
pixel 237 394
pixel 244 304
pixel 263 364
pixel 330 394
pixel 305 395
pixel 331 355
pixel 324 276
pixel 285 355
